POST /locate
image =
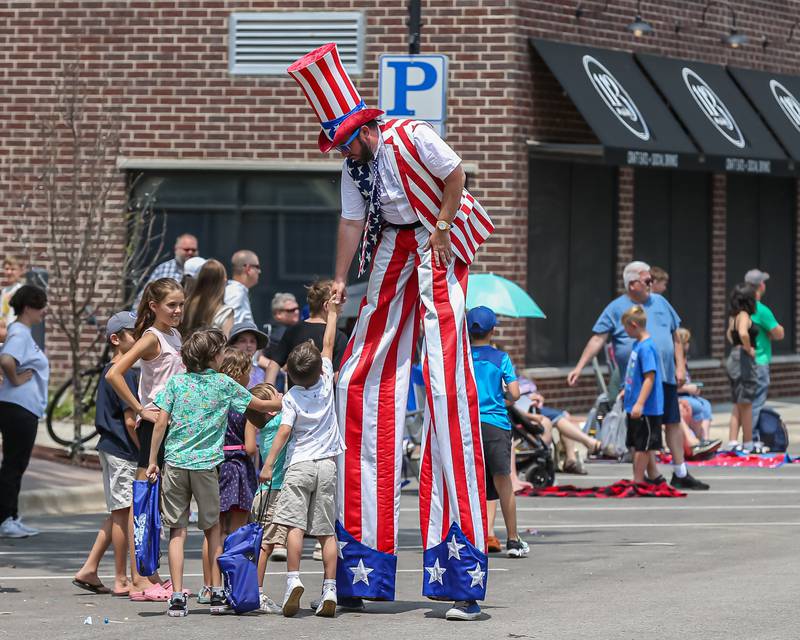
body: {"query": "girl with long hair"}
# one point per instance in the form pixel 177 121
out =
pixel 158 349
pixel 741 365
pixel 205 305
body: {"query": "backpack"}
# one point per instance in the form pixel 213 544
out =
pixel 614 430
pixel 772 430
pixel 239 564
pixel 146 526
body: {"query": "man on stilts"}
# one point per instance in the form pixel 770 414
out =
pixel 403 199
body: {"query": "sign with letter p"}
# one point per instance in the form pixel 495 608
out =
pixel 414 87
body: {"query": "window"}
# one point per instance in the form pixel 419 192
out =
pixel 571 257
pixel 288 219
pixel 268 43
pixel 761 234
pixel 671 229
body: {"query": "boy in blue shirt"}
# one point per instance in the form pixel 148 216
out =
pixel 644 395
pixel 496 382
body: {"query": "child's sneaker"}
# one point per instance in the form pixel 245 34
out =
pixel 517 548
pixel 218 604
pixel 178 605
pixel 464 610
pixel 317 553
pixel 291 601
pixel 278 554
pixel 326 607
pixel 268 605
pixel 204 597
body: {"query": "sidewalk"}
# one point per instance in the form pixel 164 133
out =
pixel 55 488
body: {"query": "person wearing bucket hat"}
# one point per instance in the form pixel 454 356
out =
pixel 246 337
pixel 403 185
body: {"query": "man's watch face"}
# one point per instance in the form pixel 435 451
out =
pixel 442 225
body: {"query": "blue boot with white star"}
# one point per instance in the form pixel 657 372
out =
pixel 456 570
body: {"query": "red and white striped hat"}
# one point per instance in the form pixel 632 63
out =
pixel 332 95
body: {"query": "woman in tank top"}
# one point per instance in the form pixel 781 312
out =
pixel 741 365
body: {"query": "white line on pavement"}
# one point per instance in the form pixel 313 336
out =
pixel 652 507
pixel 200 575
pixel 642 525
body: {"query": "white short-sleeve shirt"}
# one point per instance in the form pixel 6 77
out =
pixel 435 154
pixel 310 413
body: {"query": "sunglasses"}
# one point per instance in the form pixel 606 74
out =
pixel 647 281
pixel 292 310
pixel 345 148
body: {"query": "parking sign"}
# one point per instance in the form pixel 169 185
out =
pixel 414 87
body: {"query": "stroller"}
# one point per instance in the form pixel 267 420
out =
pixel 534 458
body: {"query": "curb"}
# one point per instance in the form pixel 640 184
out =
pixel 66 501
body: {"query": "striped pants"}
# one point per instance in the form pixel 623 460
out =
pixel 371 405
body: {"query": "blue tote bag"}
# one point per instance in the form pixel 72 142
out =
pixel 239 563
pixel 146 526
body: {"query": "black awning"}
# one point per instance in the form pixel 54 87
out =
pixel 775 97
pixel 618 102
pixel 717 115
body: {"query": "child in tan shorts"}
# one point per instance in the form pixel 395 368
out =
pixel 274 534
pixel 308 494
pixel 195 404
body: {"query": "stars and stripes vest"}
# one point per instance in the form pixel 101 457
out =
pixel 424 191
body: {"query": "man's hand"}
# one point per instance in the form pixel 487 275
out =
pixel 692 389
pixel 152 472
pixel 572 377
pixel 680 375
pixel 266 473
pixel 439 244
pixel 636 412
pixel 339 290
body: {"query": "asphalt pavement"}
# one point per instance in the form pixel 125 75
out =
pixel 720 564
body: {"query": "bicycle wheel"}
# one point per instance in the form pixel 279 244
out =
pixel 59 411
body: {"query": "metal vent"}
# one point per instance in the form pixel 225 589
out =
pixel 267 43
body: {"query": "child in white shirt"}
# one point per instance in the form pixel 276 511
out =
pixel 308 496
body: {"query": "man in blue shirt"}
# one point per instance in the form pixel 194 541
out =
pixel 496 381
pixel 662 324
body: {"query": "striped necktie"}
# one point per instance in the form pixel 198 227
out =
pixel 368 180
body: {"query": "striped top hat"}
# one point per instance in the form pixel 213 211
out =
pixel 332 95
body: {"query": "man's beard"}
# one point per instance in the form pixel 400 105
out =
pixel 366 156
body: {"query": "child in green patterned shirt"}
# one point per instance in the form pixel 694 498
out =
pixel 195 404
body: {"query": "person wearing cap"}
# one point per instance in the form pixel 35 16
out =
pixel 768 330
pixel 246 337
pixel 404 202
pixel 497 385
pixel 118 450
pixel 190 270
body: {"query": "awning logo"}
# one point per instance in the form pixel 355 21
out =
pixel 616 98
pixel 713 108
pixel 787 102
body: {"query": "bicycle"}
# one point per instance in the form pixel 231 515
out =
pixel 63 430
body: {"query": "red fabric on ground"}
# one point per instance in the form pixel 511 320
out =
pixel 731 459
pixel 620 489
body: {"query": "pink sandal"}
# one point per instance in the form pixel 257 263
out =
pixel 159 592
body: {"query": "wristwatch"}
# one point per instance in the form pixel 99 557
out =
pixel 443 225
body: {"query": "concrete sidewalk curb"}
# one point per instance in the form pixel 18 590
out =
pixel 63 501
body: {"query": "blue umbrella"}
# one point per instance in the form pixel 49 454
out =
pixel 502 296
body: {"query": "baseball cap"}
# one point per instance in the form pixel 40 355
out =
pixel 481 320
pixel 193 265
pixel 119 321
pixel 756 277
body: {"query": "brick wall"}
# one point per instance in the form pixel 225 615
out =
pixel 164 63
